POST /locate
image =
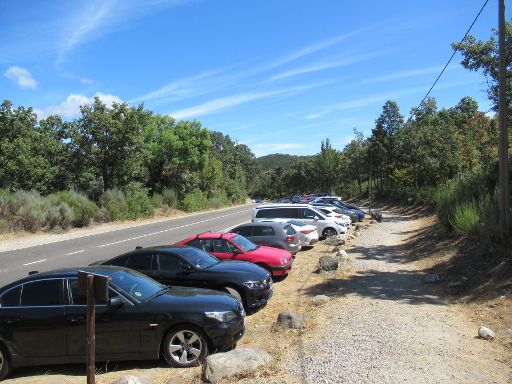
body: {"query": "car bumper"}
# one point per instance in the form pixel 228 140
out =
pixel 281 270
pixel 257 297
pixel 225 335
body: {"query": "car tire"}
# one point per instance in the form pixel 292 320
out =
pixel 328 232
pixel 185 346
pixel 233 292
pixel 5 363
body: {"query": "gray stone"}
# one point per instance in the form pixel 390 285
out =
pixel 128 380
pixel 341 253
pixel 318 299
pixel 486 334
pixel 291 320
pixel 351 237
pixel 359 227
pixel 328 263
pixel 357 234
pixel 219 366
pixel 430 279
pixel 373 221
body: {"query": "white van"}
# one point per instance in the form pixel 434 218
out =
pixel 305 213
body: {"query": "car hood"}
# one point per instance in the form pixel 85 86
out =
pixel 250 270
pixel 270 252
pixel 196 297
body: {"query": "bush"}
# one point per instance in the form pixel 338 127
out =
pixel 31 217
pixel 84 210
pixel 465 217
pixel 5 226
pixel 218 200
pixel 194 201
pixel 114 202
pixel 138 202
pixel 170 198
pixel 156 200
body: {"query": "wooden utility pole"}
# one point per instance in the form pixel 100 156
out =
pixel 503 147
pixel 91 331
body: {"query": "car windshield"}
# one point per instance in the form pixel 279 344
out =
pixel 243 243
pixel 136 285
pixel 197 257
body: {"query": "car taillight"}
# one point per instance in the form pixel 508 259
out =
pixel 338 216
pixel 305 231
pixel 290 238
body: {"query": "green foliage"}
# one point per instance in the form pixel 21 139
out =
pixel 170 198
pixel 114 202
pixel 138 201
pixel 465 217
pixel 275 160
pixel 194 201
pixel 218 200
pixel 84 210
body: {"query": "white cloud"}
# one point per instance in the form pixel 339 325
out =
pixel 406 74
pixel 21 76
pixel 71 106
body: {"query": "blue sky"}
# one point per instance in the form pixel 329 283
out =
pixel 276 75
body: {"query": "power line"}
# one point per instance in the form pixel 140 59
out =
pixel 450 59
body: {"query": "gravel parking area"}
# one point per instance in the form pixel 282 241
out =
pixel 387 326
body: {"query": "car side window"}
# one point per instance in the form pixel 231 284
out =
pixel 263 231
pixel 204 244
pixel 76 299
pixel 140 262
pixel 308 213
pixel 221 246
pixel 11 298
pixel 42 293
pixel 120 261
pixel 169 263
pixel 244 231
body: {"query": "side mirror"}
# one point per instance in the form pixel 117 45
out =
pixel 316 218
pixel 115 301
pixel 237 252
pixel 187 268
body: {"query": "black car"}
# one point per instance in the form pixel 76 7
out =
pixel 43 320
pixel 188 266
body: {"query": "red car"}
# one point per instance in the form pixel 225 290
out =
pixel 231 246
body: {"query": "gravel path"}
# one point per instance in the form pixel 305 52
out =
pixel 389 327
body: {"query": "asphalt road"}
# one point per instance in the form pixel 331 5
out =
pixel 85 250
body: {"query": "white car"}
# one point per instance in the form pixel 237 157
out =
pixel 308 235
pixel 336 213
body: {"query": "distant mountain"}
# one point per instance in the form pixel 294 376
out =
pixel 275 160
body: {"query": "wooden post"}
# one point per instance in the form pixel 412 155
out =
pixel 91 325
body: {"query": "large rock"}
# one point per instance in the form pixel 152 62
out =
pixel 359 227
pixel 128 380
pixel 486 334
pixel 242 359
pixel 319 299
pixel 328 263
pixel 290 320
pixel 341 253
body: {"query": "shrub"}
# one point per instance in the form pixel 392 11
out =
pixel 84 210
pixel 156 200
pixel 31 217
pixel 114 202
pixel 66 216
pixel 5 226
pixel 137 200
pixel 194 201
pixel 465 217
pixel 6 203
pixel 170 198
pixel 218 200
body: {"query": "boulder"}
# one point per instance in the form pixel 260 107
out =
pixel 430 279
pixel 290 320
pixel 359 227
pixel 486 334
pixel 351 237
pixel 341 253
pixel 219 366
pixel 128 380
pixel 328 263
pixel 336 249
pixel 373 221
pixel 319 299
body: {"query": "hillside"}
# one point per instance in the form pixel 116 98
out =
pixel 275 160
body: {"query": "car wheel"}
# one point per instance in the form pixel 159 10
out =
pixel 328 232
pixel 5 364
pixel 185 346
pixel 233 292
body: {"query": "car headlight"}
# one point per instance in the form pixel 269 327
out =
pixel 223 316
pixel 252 284
pixel 284 261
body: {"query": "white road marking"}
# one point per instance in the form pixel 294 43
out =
pixel 35 262
pixel 166 230
pixel 74 253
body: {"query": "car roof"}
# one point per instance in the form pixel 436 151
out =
pixel 264 223
pixel 277 205
pixel 212 235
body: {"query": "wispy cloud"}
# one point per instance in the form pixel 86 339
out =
pixel 222 103
pixel 351 59
pixel 21 76
pixel 71 106
pixel 406 74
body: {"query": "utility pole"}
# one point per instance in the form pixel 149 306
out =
pixel 370 183
pixel 503 147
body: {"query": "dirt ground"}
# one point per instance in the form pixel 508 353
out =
pixel 382 324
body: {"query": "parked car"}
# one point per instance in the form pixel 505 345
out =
pixel 231 246
pixel 333 211
pixel 276 235
pixel 304 213
pixel 338 203
pixel 330 199
pixel 43 320
pixel 354 217
pixel 308 235
pixel 192 267
pixel 297 199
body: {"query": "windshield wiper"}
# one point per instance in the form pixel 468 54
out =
pixel 160 292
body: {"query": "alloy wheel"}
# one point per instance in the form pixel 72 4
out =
pixel 1 360
pixel 185 347
pixel 328 232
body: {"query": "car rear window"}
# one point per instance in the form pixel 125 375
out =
pixel 289 230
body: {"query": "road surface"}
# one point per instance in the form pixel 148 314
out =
pixel 87 249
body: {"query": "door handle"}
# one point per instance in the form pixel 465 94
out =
pixel 12 320
pixel 76 319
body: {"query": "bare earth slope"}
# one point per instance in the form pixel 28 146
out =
pixel 387 326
